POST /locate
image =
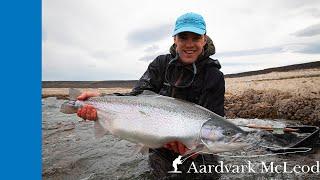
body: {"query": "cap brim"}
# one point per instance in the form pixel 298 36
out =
pixel 189 29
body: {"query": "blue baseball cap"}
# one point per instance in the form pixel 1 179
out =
pixel 190 22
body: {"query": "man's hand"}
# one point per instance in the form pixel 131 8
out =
pixel 86 95
pixel 179 148
pixel 87 111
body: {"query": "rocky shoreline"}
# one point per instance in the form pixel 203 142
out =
pixel 292 95
pixel 273 104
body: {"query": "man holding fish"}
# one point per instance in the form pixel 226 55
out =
pixel 187 73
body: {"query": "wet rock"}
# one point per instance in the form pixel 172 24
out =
pixel 300 109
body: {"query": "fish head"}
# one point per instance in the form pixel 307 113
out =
pixel 222 137
pixel 69 107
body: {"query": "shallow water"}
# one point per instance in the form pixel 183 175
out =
pixel 70 151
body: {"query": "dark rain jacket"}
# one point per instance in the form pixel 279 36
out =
pixel 207 89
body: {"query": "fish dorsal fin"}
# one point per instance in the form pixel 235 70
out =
pixel 74 93
pixel 148 93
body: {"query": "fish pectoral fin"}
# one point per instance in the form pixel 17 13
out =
pixel 99 130
pixel 141 148
pixel 74 93
pixel 196 150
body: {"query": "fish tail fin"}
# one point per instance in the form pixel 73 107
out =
pixel 70 107
pixel 74 93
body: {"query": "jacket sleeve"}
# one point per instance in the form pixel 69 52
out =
pixel 152 79
pixel 212 97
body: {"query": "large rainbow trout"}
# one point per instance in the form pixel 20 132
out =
pixel 152 120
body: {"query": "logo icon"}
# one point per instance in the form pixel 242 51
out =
pixel 175 164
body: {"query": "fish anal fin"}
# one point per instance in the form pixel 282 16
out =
pixel 141 148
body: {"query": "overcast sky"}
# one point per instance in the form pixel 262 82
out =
pixel 116 40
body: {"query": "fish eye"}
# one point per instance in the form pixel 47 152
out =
pixel 229 132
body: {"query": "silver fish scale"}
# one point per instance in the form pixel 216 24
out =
pixel 152 120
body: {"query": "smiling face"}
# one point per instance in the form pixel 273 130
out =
pixel 189 46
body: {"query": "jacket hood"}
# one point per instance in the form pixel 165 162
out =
pixel 209 49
